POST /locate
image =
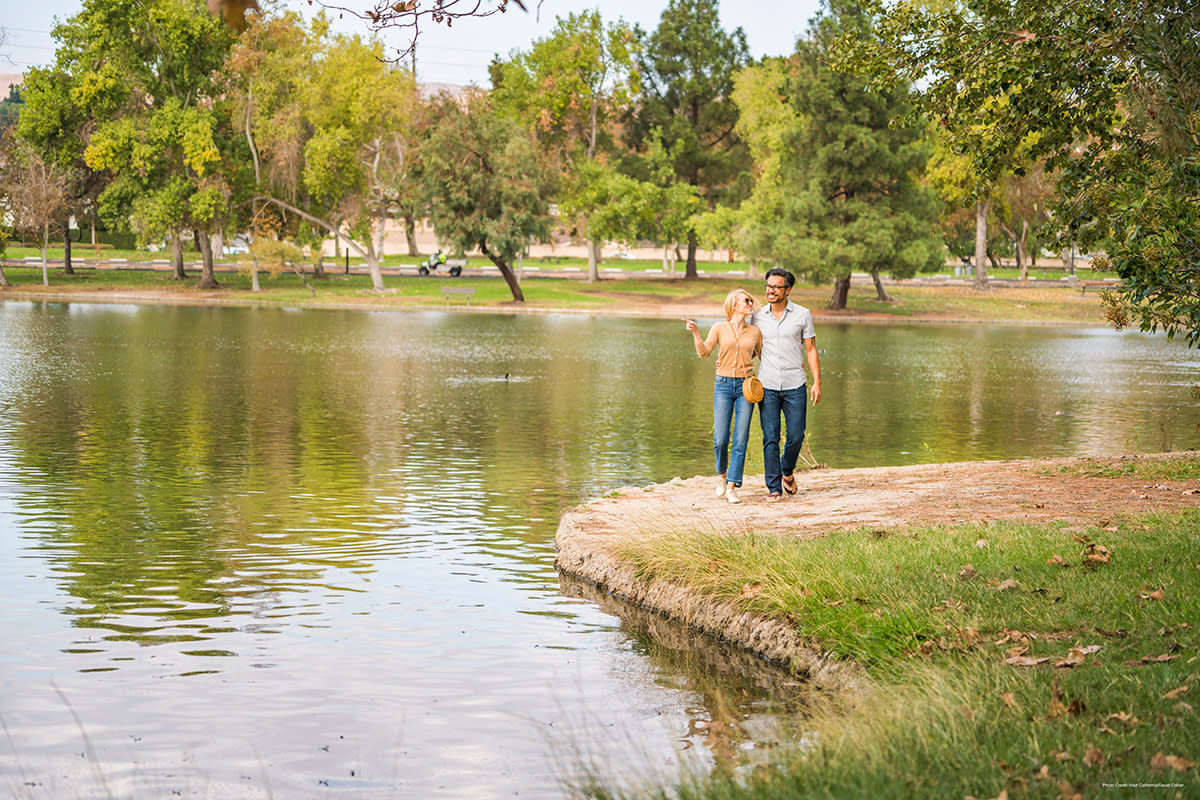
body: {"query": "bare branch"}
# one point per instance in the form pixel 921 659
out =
pixel 407 16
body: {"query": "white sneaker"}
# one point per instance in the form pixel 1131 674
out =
pixel 731 495
pixel 720 492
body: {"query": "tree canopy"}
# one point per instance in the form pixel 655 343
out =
pixel 1112 92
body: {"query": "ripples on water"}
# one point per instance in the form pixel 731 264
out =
pixel 257 553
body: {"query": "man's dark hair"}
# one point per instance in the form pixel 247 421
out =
pixel 780 272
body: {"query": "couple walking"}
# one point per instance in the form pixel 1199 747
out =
pixel 782 337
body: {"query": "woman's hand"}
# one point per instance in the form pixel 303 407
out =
pixel 691 325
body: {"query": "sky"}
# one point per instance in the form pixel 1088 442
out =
pixel 458 55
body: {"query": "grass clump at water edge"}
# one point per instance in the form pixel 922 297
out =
pixel 1006 659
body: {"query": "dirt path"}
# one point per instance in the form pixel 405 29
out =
pixel 1082 492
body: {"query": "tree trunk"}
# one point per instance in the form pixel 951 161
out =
pixel 1022 249
pixel 319 265
pixel 880 293
pixel 841 292
pixel 67 268
pixel 208 278
pixel 510 278
pixel 1019 246
pixel 4 279
pixel 177 257
pixel 981 214
pixel 691 271
pixel 1068 259
pixel 593 251
pixel 45 247
pixel 410 234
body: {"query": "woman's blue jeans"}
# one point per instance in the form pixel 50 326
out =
pixel 792 405
pixel 728 399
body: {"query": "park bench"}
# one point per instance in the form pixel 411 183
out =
pixel 464 291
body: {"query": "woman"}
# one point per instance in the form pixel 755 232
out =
pixel 737 343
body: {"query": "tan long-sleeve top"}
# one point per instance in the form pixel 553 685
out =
pixel 736 351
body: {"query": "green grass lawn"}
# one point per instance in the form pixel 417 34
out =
pixel 1027 661
pixel 1026 304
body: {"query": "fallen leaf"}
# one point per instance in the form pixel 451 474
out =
pixel 1076 655
pixel 1160 761
pixel 1025 661
pixel 1186 707
pixel 1123 716
pixel 1067 792
pixel 1010 700
pixel 1006 585
pixel 1085 539
pixel 1012 635
pixel 1171 695
pixel 1063 756
pixel 752 589
pixel 981 543
pixel 1043 774
pixel 1056 559
pixel 1094 757
pixel 967 572
pixel 1096 554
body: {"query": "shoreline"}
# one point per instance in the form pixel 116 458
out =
pixel 671 308
pixel 882 499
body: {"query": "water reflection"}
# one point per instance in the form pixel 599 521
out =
pixel 262 551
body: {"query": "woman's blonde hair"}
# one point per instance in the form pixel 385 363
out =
pixel 731 301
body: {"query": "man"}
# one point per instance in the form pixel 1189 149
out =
pixel 788 340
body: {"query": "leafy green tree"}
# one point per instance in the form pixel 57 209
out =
pixel 143 71
pixel 765 119
pixel 688 66
pixel 10 107
pixel 331 127
pixel 60 129
pixel 1111 90
pixel 851 195
pixel 567 90
pixel 485 185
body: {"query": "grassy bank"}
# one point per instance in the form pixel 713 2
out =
pixel 1002 660
pixel 1037 303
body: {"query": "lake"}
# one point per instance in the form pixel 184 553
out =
pixel 254 552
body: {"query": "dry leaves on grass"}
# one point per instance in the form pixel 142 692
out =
pixel 1005 585
pixel 1076 655
pixel 1159 659
pixel 1171 695
pixel 1096 554
pixel 1160 761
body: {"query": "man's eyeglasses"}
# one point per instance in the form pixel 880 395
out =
pixel 779 287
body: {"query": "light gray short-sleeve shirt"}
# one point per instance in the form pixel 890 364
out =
pixel 781 365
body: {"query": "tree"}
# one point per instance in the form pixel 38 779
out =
pixel 765 119
pixel 567 90
pixel 851 195
pixel 143 71
pixel 687 101
pixel 10 107
pixel 60 128
pixel 331 129
pixel 485 185
pixel 1112 93
pixel 36 192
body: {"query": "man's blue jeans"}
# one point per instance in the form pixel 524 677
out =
pixel 727 398
pixel 792 404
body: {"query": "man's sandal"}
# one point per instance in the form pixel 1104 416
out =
pixel 789 484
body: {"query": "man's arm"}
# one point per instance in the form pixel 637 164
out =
pixel 814 366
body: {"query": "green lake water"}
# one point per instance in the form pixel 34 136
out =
pixel 269 553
